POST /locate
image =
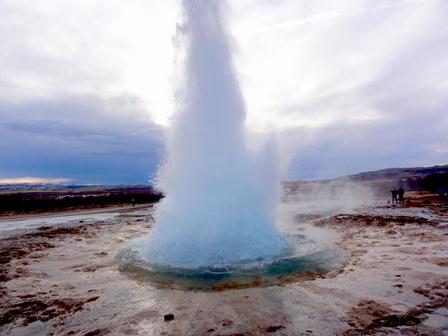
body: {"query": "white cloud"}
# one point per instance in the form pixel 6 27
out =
pixel 105 47
pixel 296 53
pixel 325 73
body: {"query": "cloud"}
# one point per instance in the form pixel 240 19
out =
pixel 84 138
pixel 33 180
pixel 349 85
pixel 78 47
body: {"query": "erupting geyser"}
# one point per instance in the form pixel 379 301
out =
pixel 220 197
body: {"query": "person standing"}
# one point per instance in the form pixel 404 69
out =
pixel 394 193
pixel 401 195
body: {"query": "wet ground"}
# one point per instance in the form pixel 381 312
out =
pixel 63 279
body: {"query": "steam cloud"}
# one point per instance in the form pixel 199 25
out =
pixel 220 196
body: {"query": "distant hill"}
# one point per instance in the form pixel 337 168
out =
pixel 415 179
pixel 379 181
pixel 23 199
pixel 11 187
pixel 397 174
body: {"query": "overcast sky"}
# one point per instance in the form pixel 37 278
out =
pixel 348 85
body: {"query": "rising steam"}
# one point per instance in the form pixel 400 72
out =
pixel 220 197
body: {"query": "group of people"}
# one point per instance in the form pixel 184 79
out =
pixel 397 195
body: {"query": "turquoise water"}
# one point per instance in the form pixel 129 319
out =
pixel 303 258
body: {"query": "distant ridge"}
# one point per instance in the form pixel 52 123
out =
pixel 397 173
pixel 51 187
pixel 380 181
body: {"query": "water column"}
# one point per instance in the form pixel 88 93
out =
pixel 220 199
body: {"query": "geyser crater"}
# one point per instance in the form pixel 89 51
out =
pixel 304 259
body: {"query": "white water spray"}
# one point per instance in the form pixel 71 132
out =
pixel 220 197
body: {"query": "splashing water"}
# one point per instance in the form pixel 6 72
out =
pixel 220 197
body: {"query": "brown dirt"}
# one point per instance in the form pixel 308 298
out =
pixel 40 308
pixel 15 249
pixel 393 282
pixel 20 247
pixel 369 220
pixel 370 317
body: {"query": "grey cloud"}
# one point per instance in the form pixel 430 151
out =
pixel 85 138
pixel 332 60
pixel 393 63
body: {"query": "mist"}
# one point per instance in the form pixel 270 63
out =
pixel 220 196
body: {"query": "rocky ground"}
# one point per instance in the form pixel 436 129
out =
pixel 64 280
